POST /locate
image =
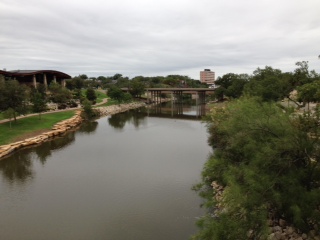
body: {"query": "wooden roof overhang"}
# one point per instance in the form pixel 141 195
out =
pixel 24 73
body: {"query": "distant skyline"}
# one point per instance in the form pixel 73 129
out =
pixel 158 38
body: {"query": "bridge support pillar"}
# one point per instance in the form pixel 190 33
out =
pixel 34 81
pixel 45 81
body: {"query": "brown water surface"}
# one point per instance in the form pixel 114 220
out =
pixel 128 176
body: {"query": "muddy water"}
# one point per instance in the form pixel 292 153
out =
pixel 128 176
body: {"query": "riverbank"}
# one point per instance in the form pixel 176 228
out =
pixel 278 227
pixel 64 126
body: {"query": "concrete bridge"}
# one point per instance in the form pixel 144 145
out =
pixel 154 94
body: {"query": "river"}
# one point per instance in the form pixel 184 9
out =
pixel 126 176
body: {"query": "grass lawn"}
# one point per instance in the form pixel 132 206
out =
pixel 109 103
pixel 25 127
pixel 99 93
pixel 100 96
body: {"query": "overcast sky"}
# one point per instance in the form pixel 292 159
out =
pixel 158 37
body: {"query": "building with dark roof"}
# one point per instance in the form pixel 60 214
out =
pixel 33 77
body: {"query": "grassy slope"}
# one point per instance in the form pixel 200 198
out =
pixel 100 96
pixel 29 125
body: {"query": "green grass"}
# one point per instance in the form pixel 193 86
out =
pixel 109 103
pixel 99 93
pixel 29 125
pixel 100 96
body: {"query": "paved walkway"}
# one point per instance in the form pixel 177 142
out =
pixel 105 100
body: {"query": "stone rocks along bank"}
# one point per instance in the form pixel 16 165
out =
pixel 63 126
pixel 279 229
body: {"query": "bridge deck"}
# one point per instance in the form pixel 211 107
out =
pixel 181 89
pixel 177 89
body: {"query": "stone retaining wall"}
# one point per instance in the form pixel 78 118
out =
pixel 63 126
pixel 113 109
pixel 57 129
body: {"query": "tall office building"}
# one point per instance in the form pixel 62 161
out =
pixel 207 76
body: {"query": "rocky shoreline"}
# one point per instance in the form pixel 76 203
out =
pixel 113 109
pixel 64 126
pixel 279 229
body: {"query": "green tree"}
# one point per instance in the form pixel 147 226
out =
pixel 91 95
pixel 137 88
pixel 226 80
pixel 9 114
pixel 268 165
pixel 127 97
pixel 230 85
pixel 171 80
pixel 15 96
pixel 2 93
pixel 236 88
pixel 117 76
pixel 59 94
pixel 78 82
pixel 117 94
pixel 269 84
pixel 301 74
pixel 38 99
pixel 219 93
pixel 83 76
pixel 88 112
pixel 309 92
pixel 156 81
pixel 122 82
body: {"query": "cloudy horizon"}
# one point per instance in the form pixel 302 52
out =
pixel 158 38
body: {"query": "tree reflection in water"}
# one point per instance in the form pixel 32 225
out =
pixel 18 167
pixel 88 127
pixel 135 116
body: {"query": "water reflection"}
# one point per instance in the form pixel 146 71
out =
pixel 43 152
pixel 179 110
pixel 137 179
pixel 176 110
pixel 18 166
pixel 88 127
pixel 135 116
pixel 17 169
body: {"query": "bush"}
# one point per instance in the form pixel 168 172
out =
pixel 72 104
pixel 267 163
pixel 62 106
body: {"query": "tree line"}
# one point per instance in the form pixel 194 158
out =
pixel 17 99
pixel 121 81
pixel 271 84
pixel 265 164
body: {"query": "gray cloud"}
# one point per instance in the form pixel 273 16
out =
pixel 149 37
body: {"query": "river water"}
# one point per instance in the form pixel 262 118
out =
pixel 126 176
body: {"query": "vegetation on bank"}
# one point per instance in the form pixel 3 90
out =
pixel 108 103
pixel 100 96
pixel 266 158
pixel 268 165
pixel 265 155
pixel 18 99
pixel 29 125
